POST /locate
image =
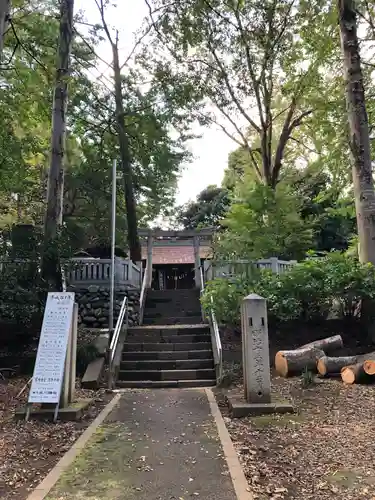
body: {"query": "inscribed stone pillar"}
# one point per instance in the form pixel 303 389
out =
pixel 255 349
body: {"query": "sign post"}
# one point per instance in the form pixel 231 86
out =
pixel 52 381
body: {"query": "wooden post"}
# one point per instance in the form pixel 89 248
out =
pixel 255 349
pixel 149 258
pixel 73 352
pixel 66 384
pixel 197 263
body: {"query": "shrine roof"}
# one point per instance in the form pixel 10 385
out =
pixel 175 254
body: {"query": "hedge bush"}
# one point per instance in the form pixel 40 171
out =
pixel 306 292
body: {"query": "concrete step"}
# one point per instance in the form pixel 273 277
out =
pixel 161 384
pixel 167 313
pixel 147 346
pixel 169 339
pixel 187 364
pixel 162 303
pixel 188 292
pixel 165 355
pixel 206 374
pixel 169 330
pixel 187 320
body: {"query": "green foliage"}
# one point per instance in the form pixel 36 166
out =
pixel 21 302
pixel 262 223
pixel 307 379
pixel 156 129
pixel 306 292
pixel 232 374
pixel 208 210
pixel 85 354
pixel 260 85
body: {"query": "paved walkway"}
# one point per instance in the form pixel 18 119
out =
pixel 155 445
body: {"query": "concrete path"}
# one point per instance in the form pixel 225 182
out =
pixel 155 445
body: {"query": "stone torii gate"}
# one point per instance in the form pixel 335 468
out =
pixel 196 243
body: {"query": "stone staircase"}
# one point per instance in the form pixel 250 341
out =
pixel 172 348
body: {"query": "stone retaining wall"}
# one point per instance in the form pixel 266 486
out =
pixel 93 303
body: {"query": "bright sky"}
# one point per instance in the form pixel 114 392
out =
pixel 211 150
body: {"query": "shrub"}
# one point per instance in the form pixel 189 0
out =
pixel 306 292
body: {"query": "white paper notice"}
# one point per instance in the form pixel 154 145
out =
pixel 50 359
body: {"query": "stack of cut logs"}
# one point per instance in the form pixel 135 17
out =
pixel 314 357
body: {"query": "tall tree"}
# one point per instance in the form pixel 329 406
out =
pixel 359 138
pixel 4 13
pixel 131 207
pixel 208 209
pixel 253 65
pixel 51 270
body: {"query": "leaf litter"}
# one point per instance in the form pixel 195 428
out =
pixel 323 451
pixel 28 451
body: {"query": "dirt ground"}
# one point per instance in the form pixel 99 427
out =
pixel 323 451
pixel 28 451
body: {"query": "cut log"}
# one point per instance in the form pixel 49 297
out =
pixel 305 357
pixel 329 366
pixel 289 363
pixel 355 374
pixel 329 344
pixel 369 363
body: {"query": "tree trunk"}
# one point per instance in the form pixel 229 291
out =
pixel 51 269
pixel 359 131
pixel 131 207
pixel 329 344
pixel 330 366
pixel 295 361
pixel 4 14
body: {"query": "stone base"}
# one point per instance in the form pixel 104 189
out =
pixel 240 408
pixel 93 373
pixel 71 413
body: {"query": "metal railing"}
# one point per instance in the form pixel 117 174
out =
pixel 113 350
pixel 142 297
pixel 215 334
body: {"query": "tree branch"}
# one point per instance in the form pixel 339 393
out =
pixel 251 70
pixel 231 90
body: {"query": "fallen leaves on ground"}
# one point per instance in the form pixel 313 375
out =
pixel 28 451
pixel 324 451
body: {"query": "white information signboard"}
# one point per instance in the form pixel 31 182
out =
pixel 50 360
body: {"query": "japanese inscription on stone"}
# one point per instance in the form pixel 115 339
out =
pixel 257 360
pixel 256 355
pixel 50 360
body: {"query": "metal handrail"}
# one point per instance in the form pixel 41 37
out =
pixel 215 335
pixel 115 338
pixel 142 297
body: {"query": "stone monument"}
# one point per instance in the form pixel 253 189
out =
pixel 256 362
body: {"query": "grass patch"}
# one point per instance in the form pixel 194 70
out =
pixel 99 471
